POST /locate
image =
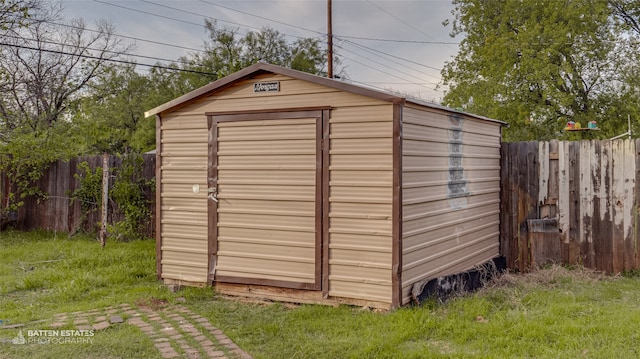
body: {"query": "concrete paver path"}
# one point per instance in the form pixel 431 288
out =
pixel 177 332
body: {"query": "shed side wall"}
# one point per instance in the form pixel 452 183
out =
pixel 450 194
pixel 360 177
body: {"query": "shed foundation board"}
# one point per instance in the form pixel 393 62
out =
pixel 293 295
pixel 185 283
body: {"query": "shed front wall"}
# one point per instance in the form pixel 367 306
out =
pixel 450 194
pixel 360 183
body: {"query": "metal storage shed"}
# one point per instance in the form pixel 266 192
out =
pixel 280 184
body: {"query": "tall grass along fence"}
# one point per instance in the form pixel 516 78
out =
pixel 58 211
pixel 571 202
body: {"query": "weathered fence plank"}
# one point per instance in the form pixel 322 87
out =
pixel 563 198
pixel 504 199
pixel 574 207
pixel 637 205
pixel 574 202
pixel 629 204
pixel 586 203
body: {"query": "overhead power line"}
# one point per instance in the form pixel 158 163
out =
pixel 400 41
pixel 186 12
pixel 118 35
pixel 107 60
pixel 403 21
pixel 149 13
pixel 391 55
pixel 385 72
pixel 379 70
pixel 284 23
pixel 351 40
pixel 263 18
pixel 94 49
pixel 391 58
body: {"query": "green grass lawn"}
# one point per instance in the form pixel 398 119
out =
pixel 553 313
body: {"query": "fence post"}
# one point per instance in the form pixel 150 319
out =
pixel 105 198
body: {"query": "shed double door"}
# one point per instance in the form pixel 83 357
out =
pixel 266 198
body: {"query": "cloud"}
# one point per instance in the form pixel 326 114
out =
pixel 401 66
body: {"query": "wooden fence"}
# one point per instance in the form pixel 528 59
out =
pixel 57 211
pixel 571 202
pixel 564 202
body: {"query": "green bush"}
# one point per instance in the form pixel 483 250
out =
pixel 127 196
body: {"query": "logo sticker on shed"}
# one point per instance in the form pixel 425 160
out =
pixel 273 86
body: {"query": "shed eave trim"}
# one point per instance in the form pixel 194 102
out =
pixel 264 67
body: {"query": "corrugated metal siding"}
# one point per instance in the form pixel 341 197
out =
pixel 266 192
pixel 360 180
pixel 450 190
pixel 361 173
pixel 184 213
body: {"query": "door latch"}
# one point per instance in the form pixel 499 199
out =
pixel 213 194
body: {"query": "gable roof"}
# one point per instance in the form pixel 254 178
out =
pixel 260 68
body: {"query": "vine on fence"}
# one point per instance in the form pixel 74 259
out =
pixel 24 160
pixel 89 193
pixel 128 196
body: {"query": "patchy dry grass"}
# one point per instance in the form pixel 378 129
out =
pixel 555 312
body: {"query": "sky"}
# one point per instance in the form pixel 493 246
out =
pixel 397 45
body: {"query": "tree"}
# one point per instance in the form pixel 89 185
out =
pixel 44 68
pixel 228 52
pixel 110 113
pixel 111 110
pixel 629 12
pixel 14 13
pixel 536 64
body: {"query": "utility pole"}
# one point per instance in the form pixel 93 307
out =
pixel 330 42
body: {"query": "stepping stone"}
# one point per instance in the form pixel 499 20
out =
pixel 13 326
pixel 146 328
pixel 136 321
pixel 101 326
pixel 215 354
pixel 168 352
pixel 192 353
pixel 225 342
pixel 116 319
